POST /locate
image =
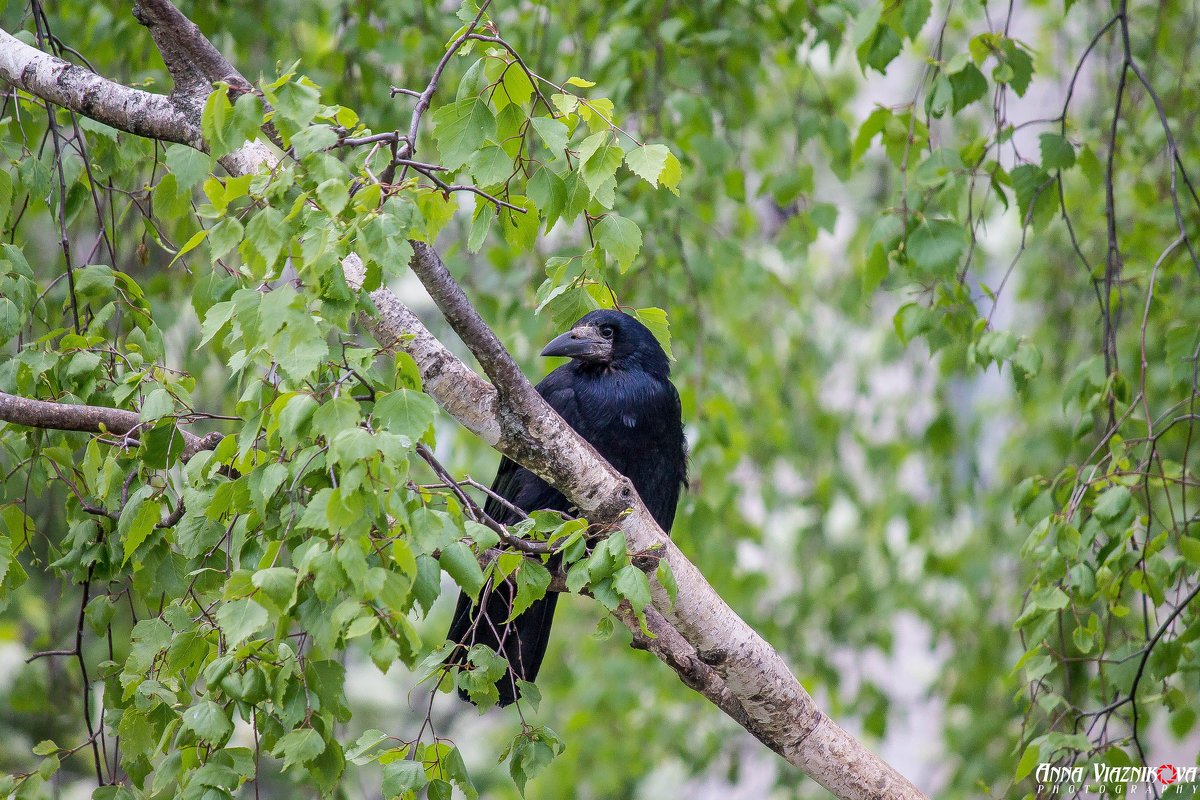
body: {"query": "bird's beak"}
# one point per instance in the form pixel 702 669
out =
pixel 584 342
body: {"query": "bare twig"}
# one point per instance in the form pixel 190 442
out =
pixel 477 513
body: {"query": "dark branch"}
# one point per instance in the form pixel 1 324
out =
pixel 88 419
pixel 194 63
pixel 507 377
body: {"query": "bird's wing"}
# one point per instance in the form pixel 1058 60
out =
pixel 519 486
pixel 558 388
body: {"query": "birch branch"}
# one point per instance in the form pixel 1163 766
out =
pixel 89 419
pixel 154 116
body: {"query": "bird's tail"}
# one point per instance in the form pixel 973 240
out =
pixel 522 642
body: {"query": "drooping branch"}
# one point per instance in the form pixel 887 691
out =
pixel 702 638
pixel 89 419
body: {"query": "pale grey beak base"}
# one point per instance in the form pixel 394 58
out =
pixel 584 343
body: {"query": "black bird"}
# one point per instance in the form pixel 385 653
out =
pixel 617 394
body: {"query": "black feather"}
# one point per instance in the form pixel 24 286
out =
pixel 626 407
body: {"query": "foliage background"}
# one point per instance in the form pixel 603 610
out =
pixel 885 330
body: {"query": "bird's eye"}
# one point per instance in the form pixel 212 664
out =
pixel 606 331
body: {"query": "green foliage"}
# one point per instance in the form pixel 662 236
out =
pixel 933 394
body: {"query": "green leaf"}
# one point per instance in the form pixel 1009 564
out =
pixel 405 412
pixel 601 157
pixel 48 767
pixel 351 446
pixel 313 139
pixel 552 132
pixel 208 721
pixel 1049 598
pixel 365 742
pixel 648 162
pixel 95 280
pixel 460 128
pixel 6 197
pixel 880 48
pixel 1084 639
pixel 936 245
pixel 520 228
pixel 529 754
pixel 295 416
pixel 460 563
pixel 299 747
pixel 333 196
pixel 137 520
pixel 671 174
pixel 479 680
pixel 481 223
pixel 1016 67
pixel 490 165
pixel 1036 197
pixel 566 104
pixel 224 236
pixel 632 584
pixel 1057 152
pixel 217 111
pixel 99 612
pixel 11 319
pixel 620 237
pixel 188 165
pixel 45 747
pixel 158 404
pixel 214 320
pixel 549 192
pixel 1028 359
pixel 296 102
pixel 265 237
pixel 240 618
pixel 336 415
pixel 402 776
pixel 516 83
pixel 1029 760
pixel 967 85
pixel 656 320
pixel 1188 547
pixel 1112 503
pixel 666 579
pixel 162 445
pixel 913 15
pixel 191 244
pixel 278 584
pixel 532 581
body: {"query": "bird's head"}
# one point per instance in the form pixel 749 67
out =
pixel 611 339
